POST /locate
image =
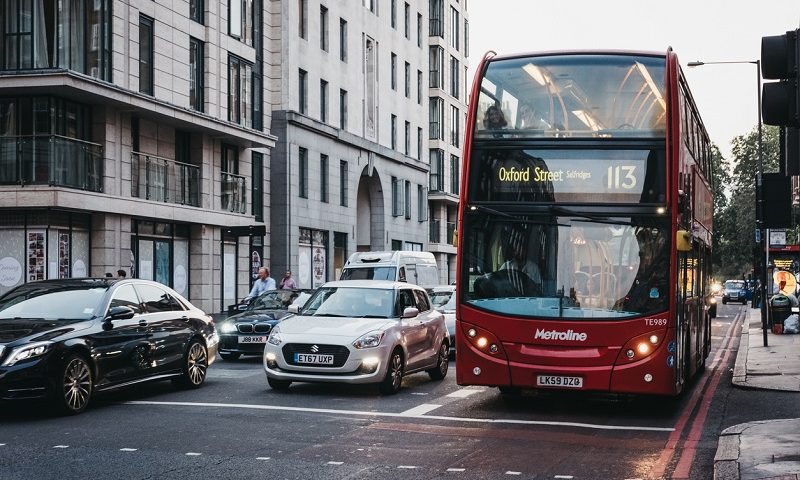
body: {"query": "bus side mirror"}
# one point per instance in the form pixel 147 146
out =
pixel 683 241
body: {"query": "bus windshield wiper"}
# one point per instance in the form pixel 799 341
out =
pixel 558 209
pixel 492 211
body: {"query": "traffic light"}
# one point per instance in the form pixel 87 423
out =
pixel 790 151
pixel 779 61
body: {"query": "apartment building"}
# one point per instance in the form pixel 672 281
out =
pixel 350 168
pixel 447 89
pixel 134 135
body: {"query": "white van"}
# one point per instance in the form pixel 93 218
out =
pixel 418 268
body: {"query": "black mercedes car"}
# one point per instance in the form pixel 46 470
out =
pixel 246 333
pixel 68 339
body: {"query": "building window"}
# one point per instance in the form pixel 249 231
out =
pixel 454 174
pixel 196 74
pixel 240 91
pixel 394 72
pixel 302 25
pixel 407 19
pixel 407 198
pixel 312 254
pixel 342 39
pixel 397 244
pixel 455 124
pixel 323 28
pixel 436 18
pixel 407 149
pixel 323 101
pixel 302 84
pixel 303 190
pixel 394 132
pixel 408 80
pixel 454 27
pixel 370 85
pixel 323 178
pixel 436 118
pixel 419 143
pixel 436 67
pixel 466 38
pixel 70 34
pixel 437 170
pixel 196 11
pixel 343 183
pixel 422 203
pixel 145 55
pixel 372 5
pixel 343 109
pixel 258 186
pixel 393 14
pixel 240 20
pixel 419 87
pixel 397 197
pixel 419 30
pixel 454 83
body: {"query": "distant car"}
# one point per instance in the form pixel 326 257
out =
pixel 443 299
pixel 68 339
pixel 734 291
pixel 246 333
pixel 359 331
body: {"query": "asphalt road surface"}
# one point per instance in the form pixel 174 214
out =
pixel 236 427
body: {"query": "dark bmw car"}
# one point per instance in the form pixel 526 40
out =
pixel 246 333
pixel 68 339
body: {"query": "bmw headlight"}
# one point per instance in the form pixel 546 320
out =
pixel 227 327
pixel 370 340
pixel 275 336
pixel 26 352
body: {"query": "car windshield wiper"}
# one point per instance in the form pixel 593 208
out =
pixel 372 316
pixel 328 315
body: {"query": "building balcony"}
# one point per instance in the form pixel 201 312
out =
pixel 51 160
pixel 164 180
pixel 234 191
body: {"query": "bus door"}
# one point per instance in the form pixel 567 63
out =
pixel 688 314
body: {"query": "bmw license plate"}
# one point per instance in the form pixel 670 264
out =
pixel 252 339
pixel 313 358
pixel 559 381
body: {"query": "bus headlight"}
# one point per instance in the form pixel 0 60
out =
pixel 482 340
pixel 641 346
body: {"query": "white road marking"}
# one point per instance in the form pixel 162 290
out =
pixel 463 392
pixel 456 469
pixel 128 449
pixel 407 467
pixel 420 409
pixel 503 421
pixel 513 473
pixel 193 454
pixel 566 477
pixel 2 444
pixel 262 458
pixel 419 393
pixel 61 446
pixel 335 463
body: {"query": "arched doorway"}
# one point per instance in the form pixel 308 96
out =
pixel 370 229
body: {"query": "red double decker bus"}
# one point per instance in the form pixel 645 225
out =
pixel 584 253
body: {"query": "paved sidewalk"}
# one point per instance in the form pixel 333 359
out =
pixel 768 449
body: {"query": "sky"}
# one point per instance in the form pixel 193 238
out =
pixel 704 30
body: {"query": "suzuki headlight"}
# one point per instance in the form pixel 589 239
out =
pixel 370 340
pixel 227 327
pixel 275 337
pixel 26 352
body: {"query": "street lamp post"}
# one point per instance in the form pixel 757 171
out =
pixel 759 192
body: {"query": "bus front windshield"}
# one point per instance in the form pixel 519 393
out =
pixel 573 96
pixel 565 266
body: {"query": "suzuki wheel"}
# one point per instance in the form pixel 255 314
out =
pixel 394 374
pixel 440 370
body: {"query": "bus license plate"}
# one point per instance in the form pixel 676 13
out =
pixel 559 381
pixel 314 359
pixel 253 339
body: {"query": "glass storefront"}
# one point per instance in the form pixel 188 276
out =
pixel 312 258
pixel 162 254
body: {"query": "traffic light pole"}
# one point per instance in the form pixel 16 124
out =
pixel 760 210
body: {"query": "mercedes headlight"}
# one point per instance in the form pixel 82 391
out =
pixel 227 327
pixel 26 352
pixel 370 340
pixel 275 336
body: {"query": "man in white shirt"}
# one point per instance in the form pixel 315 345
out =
pixel 262 284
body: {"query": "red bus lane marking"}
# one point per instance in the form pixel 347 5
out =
pixel 668 452
pixel 690 445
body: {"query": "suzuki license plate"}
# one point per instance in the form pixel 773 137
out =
pixel 559 381
pixel 313 358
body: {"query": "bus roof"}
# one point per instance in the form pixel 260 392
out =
pixel 546 53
